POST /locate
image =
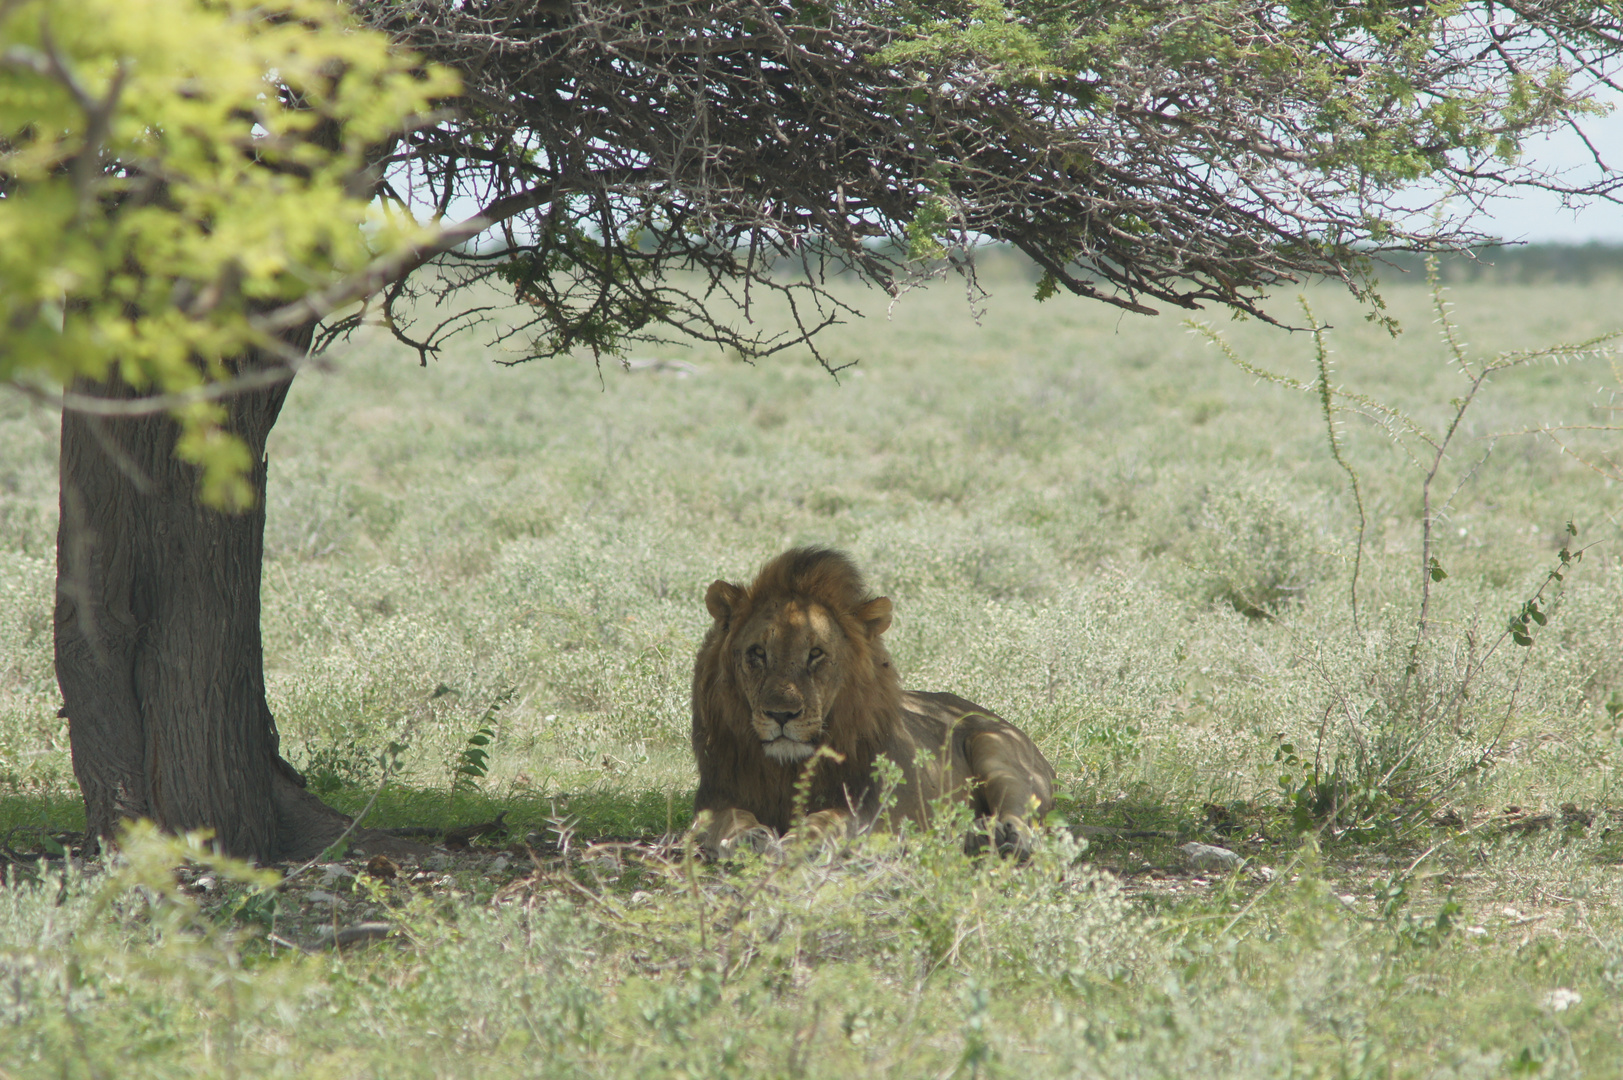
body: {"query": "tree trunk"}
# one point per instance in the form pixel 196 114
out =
pixel 158 650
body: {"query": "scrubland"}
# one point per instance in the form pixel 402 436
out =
pixel 1092 522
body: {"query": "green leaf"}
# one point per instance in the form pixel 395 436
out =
pixel 1047 286
pixel 213 106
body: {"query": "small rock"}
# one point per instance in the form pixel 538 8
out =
pixel 1529 824
pixel 1207 857
pixel 1561 999
pixel 352 935
pixel 320 896
pixel 1264 873
pixel 1448 819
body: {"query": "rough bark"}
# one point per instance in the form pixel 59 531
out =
pixel 158 649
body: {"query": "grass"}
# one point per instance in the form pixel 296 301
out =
pixel 1090 522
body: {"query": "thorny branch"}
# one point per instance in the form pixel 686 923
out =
pixel 1140 164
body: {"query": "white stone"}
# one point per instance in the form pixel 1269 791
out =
pixel 1561 999
pixel 1207 857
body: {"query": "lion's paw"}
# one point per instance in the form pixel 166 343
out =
pixel 1007 837
pixel 758 840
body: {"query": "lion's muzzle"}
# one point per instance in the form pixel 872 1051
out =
pixel 782 737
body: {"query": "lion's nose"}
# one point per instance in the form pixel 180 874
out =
pixel 784 717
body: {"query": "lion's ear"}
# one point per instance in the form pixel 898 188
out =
pixel 875 615
pixel 722 598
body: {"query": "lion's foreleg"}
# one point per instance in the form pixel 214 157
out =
pixel 725 830
pixel 720 833
pixel 821 827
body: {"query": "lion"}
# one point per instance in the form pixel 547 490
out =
pixel 793 669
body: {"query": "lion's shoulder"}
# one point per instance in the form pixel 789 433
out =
pixel 942 706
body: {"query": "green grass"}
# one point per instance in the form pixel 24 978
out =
pixel 1073 511
pixel 611 812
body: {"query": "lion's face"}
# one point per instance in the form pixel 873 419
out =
pixel 791 657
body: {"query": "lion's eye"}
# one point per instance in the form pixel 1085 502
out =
pixel 755 655
pixel 816 655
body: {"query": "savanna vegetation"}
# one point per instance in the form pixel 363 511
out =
pixel 483 592
pixel 194 196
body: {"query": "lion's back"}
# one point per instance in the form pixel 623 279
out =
pixel 933 721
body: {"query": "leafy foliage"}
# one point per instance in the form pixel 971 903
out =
pixel 173 170
pixel 474 760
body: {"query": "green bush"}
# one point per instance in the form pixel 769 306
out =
pixel 1246 547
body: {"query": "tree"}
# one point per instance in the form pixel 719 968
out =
pixel 172 174
pixel 636 164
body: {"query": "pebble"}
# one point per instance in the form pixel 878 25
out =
pixel 1561 999
pixel 332 873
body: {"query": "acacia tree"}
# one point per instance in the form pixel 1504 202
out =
pixel 1141 153
pixel 1146 154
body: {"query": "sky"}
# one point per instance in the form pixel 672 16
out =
pixel 1540 218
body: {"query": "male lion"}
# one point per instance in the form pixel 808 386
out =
pixel 794 665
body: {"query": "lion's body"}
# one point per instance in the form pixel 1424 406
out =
pixel 794 666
